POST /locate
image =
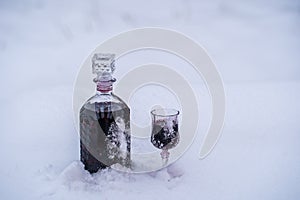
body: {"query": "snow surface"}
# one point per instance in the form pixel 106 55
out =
pixel 255 45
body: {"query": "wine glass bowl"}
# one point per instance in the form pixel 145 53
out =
pixel 165 134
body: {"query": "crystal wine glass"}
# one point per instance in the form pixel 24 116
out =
pixel 165 133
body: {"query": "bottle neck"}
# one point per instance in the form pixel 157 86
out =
pixel 105 87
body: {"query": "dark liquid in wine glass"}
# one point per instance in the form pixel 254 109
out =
pixel 164 137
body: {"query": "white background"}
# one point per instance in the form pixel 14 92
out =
pixel 255 45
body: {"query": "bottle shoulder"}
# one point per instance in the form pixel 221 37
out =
pixel 120 100
pixel 104 100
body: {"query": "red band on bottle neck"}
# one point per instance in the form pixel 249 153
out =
pixel 105 86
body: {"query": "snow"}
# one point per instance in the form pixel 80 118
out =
pixel 255 45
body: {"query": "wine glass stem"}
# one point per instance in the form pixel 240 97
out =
pixel 165 156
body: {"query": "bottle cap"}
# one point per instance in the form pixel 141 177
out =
pixel 103 65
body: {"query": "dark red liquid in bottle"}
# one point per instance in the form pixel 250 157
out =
pixel 104 135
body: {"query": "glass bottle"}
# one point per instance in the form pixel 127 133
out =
pixel 104 121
